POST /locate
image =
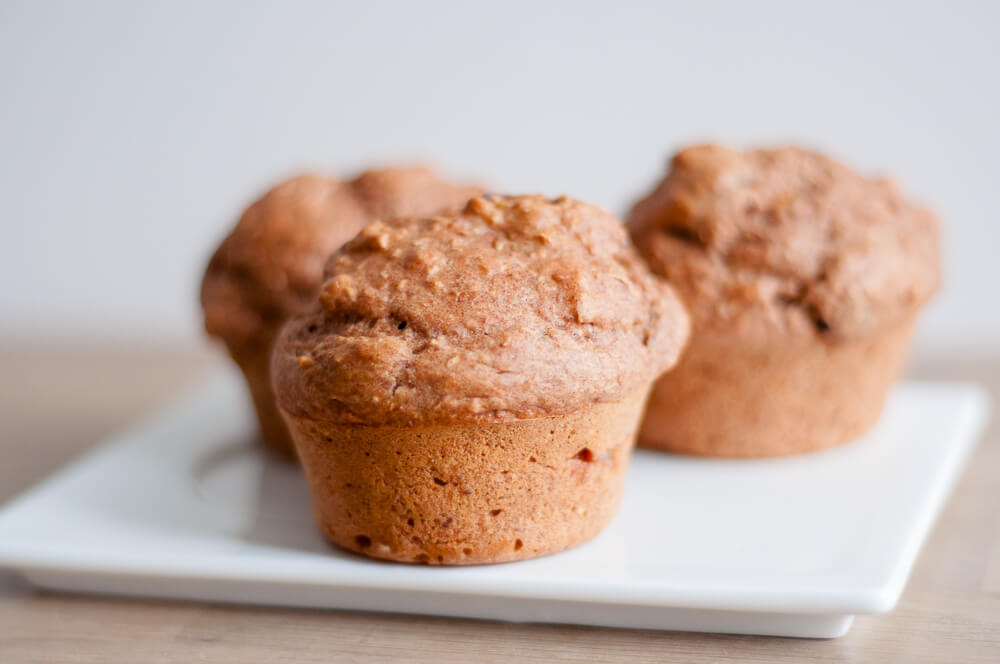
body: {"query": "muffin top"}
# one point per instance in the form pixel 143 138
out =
pixel 516 307
pixel 271 265
pixel 786 240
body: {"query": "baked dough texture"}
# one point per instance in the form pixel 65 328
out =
pixel 468 386
pixel 271 265
pixel 803 280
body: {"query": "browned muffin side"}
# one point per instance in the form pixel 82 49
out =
pixel 469 385
pixel 803 280
pixel 271 265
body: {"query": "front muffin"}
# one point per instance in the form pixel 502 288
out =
pixel 803 280
pixel 271 265
pixel 468 388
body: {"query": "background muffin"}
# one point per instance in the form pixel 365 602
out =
pixel 802 279
pixel 271 265
pixel 469 386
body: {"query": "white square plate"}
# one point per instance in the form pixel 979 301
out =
pixel 185 506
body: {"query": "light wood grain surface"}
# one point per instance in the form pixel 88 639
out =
pixel 57 402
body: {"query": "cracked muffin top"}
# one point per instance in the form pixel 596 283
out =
pixel 516 307
pixel 271 264
pixel 786 240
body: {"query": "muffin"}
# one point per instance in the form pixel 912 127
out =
pixel 271 265
pixel 803 280
pixel 468 388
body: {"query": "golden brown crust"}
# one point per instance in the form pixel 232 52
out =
pixel 469 494
pixel 803 280
pixel 271 265
pixel 786 241
pixel 728 400
pixel 515 308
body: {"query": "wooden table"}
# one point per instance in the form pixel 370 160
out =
pixel 56 402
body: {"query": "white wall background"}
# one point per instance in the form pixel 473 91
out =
pixel 131 134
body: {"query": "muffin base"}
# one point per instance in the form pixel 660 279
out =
pixel 468 494
pixel 255 363
pixel 724 400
